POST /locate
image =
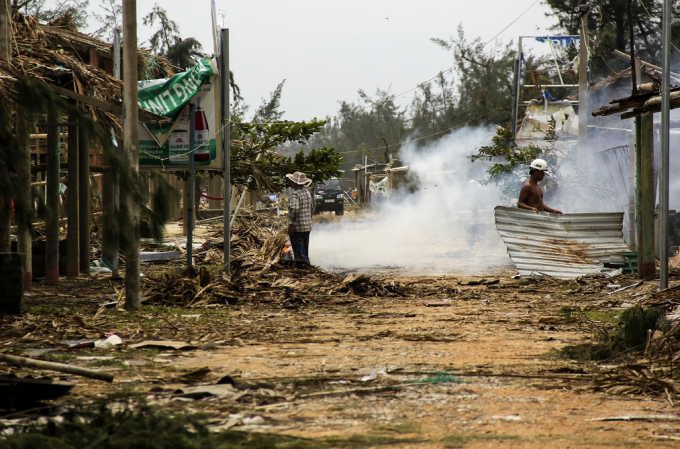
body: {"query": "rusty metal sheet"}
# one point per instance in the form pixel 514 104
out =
pixel 560 246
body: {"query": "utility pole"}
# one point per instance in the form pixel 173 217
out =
pixel 583 88
pixel 131 150
pixel 663 156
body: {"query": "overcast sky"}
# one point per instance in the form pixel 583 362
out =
pixel 327 50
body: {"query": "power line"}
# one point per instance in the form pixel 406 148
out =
pixel 424 137
pixel 441 72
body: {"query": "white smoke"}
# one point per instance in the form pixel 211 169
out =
pixel 444 227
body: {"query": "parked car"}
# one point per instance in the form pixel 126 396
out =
pixel 329 196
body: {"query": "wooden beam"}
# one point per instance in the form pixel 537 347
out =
pixel 52 196
pixel 645 216
pixel 84 199
pixel 144 115
pixel 72 239
pixel 24 235
pixel 64 166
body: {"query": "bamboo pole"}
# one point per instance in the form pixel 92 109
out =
pixel 52 366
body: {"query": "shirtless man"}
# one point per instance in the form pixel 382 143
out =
pixel 531 194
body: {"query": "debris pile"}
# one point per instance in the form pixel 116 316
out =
pixel 258 272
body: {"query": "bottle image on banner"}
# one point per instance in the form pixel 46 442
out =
pixel 201 135
pixel 179 147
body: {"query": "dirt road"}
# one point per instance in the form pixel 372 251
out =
pixel 364 372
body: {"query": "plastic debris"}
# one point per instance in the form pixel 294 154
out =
pixel 439 378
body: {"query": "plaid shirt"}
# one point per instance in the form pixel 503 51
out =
pixel 300 210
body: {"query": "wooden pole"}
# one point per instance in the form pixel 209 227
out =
pixel 583 90
pixel 24 242
pixel 6 55
pixel 52 194
pixel 226 147
pixel 84 198
pixel 73 235
pixel 665 142
pixel 5 225
pixel 5 29
pixel 646 260
pixel 131 150
pixel 60 367
pixel 632 234
pixel 110 189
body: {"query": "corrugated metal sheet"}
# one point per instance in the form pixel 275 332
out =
pixel 561 246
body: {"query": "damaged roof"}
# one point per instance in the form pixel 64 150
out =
pixel 68 61
pixel 560 246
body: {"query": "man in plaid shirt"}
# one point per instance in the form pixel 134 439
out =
pixel 300 208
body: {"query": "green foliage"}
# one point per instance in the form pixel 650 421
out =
pixel 631 332
pixel 637 321
pixel 256 166
pixel 164 36
pixel 110 20
pixel 511 162
pixel 485 78
pixel 184 53
pixel 140 426
pixel 609 29
pixel 376 124
pixel 269 110
pixel 72 14
pixel 166 40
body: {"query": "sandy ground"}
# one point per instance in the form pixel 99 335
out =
pixel 387 371
pixel 301 369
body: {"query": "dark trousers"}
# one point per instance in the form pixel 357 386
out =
pixel 300 243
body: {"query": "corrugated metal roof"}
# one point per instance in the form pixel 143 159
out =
pixel 561 246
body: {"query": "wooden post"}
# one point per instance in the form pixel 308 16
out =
pixel 12 281
pixel 73 236
pixel 6 55
pixel 52 194
pixel 215 190
pixel 109 212
pixel 185 207
pixel 583 90
pixel 84 195
pixel 5 29
pixel 24 242
pixel 646 262
pixel 131 150
pixel 632 234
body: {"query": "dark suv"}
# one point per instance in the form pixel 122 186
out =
pixel 329 196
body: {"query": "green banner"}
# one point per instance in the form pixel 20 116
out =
pixel 167 97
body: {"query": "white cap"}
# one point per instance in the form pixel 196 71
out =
pixel 539 164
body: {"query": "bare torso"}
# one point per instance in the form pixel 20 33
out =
pixel 531 195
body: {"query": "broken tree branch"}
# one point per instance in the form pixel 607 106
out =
pixel 60 367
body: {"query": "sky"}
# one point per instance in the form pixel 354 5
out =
pixel 327 51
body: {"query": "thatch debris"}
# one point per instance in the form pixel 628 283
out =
pixel 259 273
